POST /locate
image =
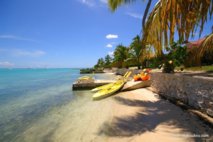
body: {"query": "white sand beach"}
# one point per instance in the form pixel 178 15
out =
pixel 132 116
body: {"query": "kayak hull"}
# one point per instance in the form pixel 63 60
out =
pixel 102 87
pixel 127 74
pixel 109 91
pixel 132 85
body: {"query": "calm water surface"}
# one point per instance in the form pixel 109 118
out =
pixel 31 97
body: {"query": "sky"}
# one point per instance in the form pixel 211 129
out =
pixel 64 33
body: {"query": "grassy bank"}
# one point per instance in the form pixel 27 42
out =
pixel 201 68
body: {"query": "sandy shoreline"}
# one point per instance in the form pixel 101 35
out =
pixel 132 116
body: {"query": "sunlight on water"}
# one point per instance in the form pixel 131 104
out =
pixel 34 103
pixel 27 96
pixel 47 126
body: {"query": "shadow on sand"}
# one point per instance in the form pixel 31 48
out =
pixel 149 117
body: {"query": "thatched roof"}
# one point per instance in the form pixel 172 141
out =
pixel 199 48
pixel 196 43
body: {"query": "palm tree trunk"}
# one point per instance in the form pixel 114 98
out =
pixel 138 63
pixel 139 67
pixel 146 13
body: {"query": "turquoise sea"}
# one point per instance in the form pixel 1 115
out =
pixel 34 100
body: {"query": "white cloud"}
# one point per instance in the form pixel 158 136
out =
pixel 36 53
pixel 104 1
pixel 90 3
pixel 6 64
pixel 135 15
pixel 94 3
pixel 13 37
pixel 109 45
pixel 111 36
pixel 111 53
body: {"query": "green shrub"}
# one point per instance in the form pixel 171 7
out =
pixel 175 58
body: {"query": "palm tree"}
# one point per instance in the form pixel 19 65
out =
pixel 100 63
pixel 183 16
pixel 113 4
pixel 108 61
pixel 120 55
pixel 168 16
pixel 136 51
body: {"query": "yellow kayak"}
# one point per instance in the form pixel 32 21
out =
pixel 127 74
pixel 109 91
pixel 103 87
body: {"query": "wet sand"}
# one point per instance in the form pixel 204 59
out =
pixel 132 116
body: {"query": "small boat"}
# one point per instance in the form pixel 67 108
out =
pixel 109 91
pixel 131 85
pixel 103 87
pixel 127 74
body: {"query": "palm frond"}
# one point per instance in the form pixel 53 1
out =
pixel 114 4
pixel 175 15
pixel 169 16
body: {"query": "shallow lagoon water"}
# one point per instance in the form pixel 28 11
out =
pixel 33 102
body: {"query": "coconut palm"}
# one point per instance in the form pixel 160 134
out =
pixel 113 4
pixel 136 51
pixel 108 61
pixel 100 63
pixel 120 55
pixel 168 16
pixel 182 16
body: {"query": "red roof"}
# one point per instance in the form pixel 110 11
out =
pixel 195 43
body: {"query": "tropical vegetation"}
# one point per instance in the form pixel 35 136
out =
pixel 136 51
pixel 202 68
pixel 91 70
pixel 166 17
pixel 120 56
pixel 126 56
pixel 156 45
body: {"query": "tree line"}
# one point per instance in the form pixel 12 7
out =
pixel 125 56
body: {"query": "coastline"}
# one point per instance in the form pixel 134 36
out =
pixel 184 129
pixel 127 116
